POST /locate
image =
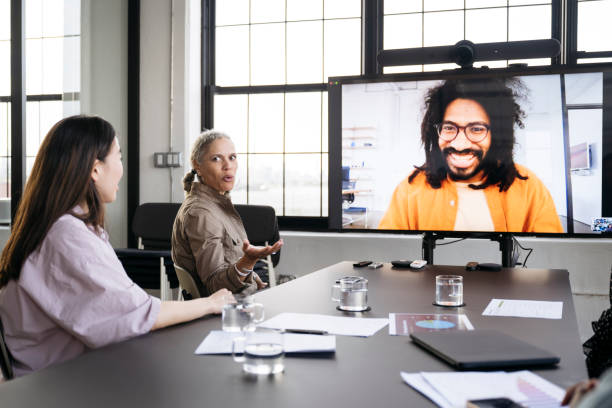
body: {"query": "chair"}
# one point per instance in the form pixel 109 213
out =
pixel 5 357
pixel 150 266
pixel 153 224
pixel 261 226
pixel 187 283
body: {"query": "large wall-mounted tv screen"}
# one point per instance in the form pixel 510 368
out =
pixel 479 151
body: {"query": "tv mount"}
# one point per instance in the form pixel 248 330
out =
pixel 505 241
pixel 465 53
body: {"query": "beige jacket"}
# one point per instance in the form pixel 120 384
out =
pixel 207 239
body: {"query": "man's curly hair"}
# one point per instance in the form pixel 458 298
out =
pixel 498 97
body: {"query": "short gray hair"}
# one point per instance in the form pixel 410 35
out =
pixel 203 142
pixel 200 147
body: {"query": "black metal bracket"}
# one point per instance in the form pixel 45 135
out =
pixel 506 246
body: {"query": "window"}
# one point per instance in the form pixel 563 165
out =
pixel 52 58
pixel 429 23
pixel 272 61
pixel 5 100
pixel 52 67
pixel 594 32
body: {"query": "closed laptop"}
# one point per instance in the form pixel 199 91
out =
pixel 483 349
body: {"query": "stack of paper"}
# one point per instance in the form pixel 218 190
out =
pixel 347 326
pixel 220 342
pixel 454 389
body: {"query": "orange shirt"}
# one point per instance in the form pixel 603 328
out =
pixel 526 206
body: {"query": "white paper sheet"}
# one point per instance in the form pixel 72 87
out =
pixel 220 342
pixel 454 389
pixel 524 308
pixel 347 326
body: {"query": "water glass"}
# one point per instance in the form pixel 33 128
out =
pixel 351 292
pixel 449 290
pixel 243 315
pixel 261 353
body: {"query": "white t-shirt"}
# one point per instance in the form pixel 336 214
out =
pixel 473 212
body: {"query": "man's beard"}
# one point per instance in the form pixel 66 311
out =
pixel 462 174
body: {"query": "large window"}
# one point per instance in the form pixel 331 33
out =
pixel 5 104
pixel 594 31
pixel 52 67
pixel 272 60
pixel 52 62
pixel 429 23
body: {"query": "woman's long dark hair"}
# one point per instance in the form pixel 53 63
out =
pixel 498 98
pixel 60 179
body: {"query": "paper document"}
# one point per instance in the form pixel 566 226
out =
pixel 402 324
pixel 524 308
pixel 347 326
pixel 220 342
pixel 454 389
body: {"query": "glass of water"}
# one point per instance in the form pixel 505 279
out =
pixel 261 353
pixel 351 292
pixel 243 315
pixel 449 290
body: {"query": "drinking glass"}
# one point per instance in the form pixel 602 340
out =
pixel 260 353
pixel 243 315
pixel 351 292
pixel 449 290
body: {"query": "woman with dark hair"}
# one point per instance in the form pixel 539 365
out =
pixel 62 289
pixel 208 238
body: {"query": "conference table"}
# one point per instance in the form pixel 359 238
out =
pixel 160 369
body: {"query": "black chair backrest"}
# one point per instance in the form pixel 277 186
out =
pixel 5 357
pixel 153 223
pixel 261 225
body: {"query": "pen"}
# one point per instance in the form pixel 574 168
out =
pixel 303 331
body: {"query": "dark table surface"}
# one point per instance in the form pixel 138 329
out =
pixel 160 369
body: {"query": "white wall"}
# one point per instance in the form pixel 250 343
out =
pixel 162 184
pixel 104 87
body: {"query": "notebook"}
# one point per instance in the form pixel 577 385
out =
pixel 483 349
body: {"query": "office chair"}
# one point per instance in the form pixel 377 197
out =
pixel 187 283
pixel 5 357
pixel 261 226
pixel 150 266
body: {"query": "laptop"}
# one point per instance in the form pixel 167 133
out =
pixel 483 349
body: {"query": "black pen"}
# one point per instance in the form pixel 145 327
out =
pixel 304 331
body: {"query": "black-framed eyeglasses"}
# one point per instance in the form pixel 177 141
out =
pixel 475 132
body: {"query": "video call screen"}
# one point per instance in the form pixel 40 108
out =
pixel 564 145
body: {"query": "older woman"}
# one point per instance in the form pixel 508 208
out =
pixel 208 238
pixel 62 289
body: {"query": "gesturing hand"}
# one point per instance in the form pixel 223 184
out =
pixel 253 253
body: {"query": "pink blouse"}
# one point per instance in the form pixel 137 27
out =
pixel 72 295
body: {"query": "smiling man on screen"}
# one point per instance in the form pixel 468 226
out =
pixel 469 181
